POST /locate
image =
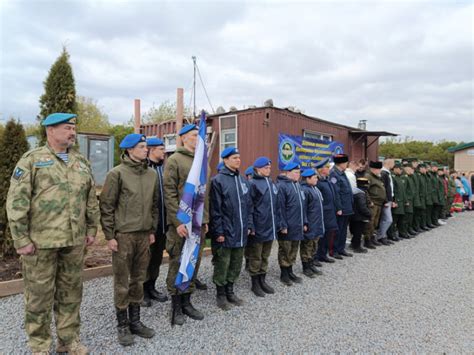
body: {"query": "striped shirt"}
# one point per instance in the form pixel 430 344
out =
pixel 63 156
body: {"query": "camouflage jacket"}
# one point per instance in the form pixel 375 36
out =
pixel 376 189
pixel 129 199
pixel 51 203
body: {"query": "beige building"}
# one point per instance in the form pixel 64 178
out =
pixel 464 158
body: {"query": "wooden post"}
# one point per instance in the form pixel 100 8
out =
pixel 179 114
pixel 137 116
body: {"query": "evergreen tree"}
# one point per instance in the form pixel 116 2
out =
pixel 59 91
pixel 13 145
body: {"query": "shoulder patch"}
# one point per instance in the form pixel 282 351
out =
pixel 18 173
pixel 333 180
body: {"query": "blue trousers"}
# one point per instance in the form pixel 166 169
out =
pixel 342 223
pixel 326 244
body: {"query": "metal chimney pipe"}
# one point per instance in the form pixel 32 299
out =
pixel 179 113
pixel 137 116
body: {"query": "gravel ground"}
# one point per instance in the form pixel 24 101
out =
pixel 414 296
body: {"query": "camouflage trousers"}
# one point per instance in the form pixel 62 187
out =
pixel 129 265
pixel 174 245
pixel 53 279
pixel 371 226
pixel 287 252
pixel 258 254
pixel 308 249
pixel 227 264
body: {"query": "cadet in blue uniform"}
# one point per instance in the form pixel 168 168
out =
pixel 326 243
pixel 344 202
pixel 156 158
pixel 229 211
pixel 264 225
pixel 249 172
pixel 293 221
pixel 314 213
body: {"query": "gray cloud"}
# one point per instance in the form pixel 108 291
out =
pixel 405 67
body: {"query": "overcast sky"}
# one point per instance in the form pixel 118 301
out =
pixel 405 66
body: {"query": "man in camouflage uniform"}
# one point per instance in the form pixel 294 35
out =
pixel 129 217
pixel 378 197
pixel 175 175
pixel 53 214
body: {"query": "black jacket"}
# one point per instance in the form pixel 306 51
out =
pixel 385 176
pixel 361 207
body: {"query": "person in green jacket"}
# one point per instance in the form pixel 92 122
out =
pixel 426 174
pixel 451 192
pixel 53 216
pixel 433 175
pixel 398 228
pixel 175 175
pixel 410 194
pixel 421 173
pixel 418 206
pixel 129 218
pixel 378 197
pixel 442 195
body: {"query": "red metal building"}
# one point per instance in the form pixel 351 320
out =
pixel 255 132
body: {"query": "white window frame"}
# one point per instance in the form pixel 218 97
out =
pixel 317 135
pixel 226 130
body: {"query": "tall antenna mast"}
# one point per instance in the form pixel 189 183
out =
pixel 194 87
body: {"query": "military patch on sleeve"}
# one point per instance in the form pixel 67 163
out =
pixel 18 173
pixel 333 180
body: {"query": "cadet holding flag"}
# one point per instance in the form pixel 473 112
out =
pixel 264 222
pixel 177 170
pixel 315 230
pixel 53 215
pixel 293 221
pixel 229 212
pixel 129 217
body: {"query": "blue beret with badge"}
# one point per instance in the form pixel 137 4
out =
pixel 249 170
pixel 261 162
pixel 131 140
pixel 322 163
pixel 308 173
pixel 187 128
pixel 154 142
pixel 58 117
pixel 291 166
pixel 229 151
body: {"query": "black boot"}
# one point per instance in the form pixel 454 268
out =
pixel 124 336
pixel 316 262
pixel 307 271
pixel 177 317
pixel 293 277
pixel 368 244
pixel 256 286
pixel 263 284
pixel 231 297
pixel 313 268
pixel 221 299
pixel 200 285
pixel 375 242
pixel 136 326
pixel 189 309
pixel 284 277
pixel 326 259
pixel 345 253
pixel 360 250
pixel 149 286
pixel 146 302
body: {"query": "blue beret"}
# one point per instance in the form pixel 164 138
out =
pixel 308 173
pixel 260 162
pixel 291 166
pixel 187 129
pixel 249 170
pixel 229 151
pixel 154 142
pixel 322 163
pixel 220 165
pixel 57 118
pixel 131 140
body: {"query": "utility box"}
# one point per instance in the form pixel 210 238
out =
pixel 99 150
